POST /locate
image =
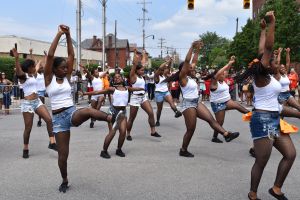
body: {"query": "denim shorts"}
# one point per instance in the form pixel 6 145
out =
pixel 96 97
pixel 216 107
pixel 265 124
pixel 137 100
pixel 284 96
pixel 189 103
pixel 30 105
pixel 160 96
pixel 41 93
pixel 63 121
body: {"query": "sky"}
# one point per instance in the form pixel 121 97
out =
pixel 170 20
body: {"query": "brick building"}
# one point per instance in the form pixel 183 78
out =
pixel 120 57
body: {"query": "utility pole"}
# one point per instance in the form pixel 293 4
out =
pixel 103 2
pixel 237 25
pixel 116 57
pixel 78 31
pixel 161 45
pixel 144 19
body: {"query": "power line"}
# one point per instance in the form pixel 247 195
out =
pixel 161 45
pixel 144 19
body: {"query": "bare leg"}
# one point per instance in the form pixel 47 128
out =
pixel 158 112
pixel 146 106
pixel 232 105
pixel 293 103
pixel 84 114
pixel 28 120
pixel 44 114
pixel 132 116
pixel 190 118
pixel 220 116
pixel 63 140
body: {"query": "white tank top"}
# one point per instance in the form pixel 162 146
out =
pixel 139 83
pixel 120 98
pixel 221 94
pixel 161 86
pixel 285 83
pixel 190 91
pixel 60 94
pixel 40 82
pixel 29 86
pixel 266 98
pixel 97 84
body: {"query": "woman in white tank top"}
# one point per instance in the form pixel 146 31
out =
pixel 162 90
pixel 281 74
pixel 266 113
pixel 138 98
pixel 191 107
pixel 31 103
pixel 120 95
pixel 97 83
pixel 40 86
pixel 57 80
pixel 220 99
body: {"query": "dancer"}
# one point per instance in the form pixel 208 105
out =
pixel 31 103
pixel 220 99
pixel 57 81
pixel 138 98
pixel 192 107
pixel 281 75
pixel 41 85
pixel 266 114
pixel 97 83
pixel 162 91
pixel 120 94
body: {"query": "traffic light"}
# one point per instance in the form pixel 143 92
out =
pixel 246 4
pixel 191 4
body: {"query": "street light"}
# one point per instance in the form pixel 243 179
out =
pixel 147 37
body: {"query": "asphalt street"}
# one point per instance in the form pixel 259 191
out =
pixel 151 170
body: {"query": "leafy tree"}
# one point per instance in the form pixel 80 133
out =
pixel 7 65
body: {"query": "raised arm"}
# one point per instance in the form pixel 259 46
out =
pixel 288 59
pixel 50 57
pixel 19 72
pixel 144 58
pixel 71 54
pixel 268 49
pixel 161 67
pixel 277 63
pixel 225 68
pixel 88 74
pixel 185 69
pixel 136 59
pixel 262 39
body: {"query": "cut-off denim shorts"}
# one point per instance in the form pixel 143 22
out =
pixel 62 121
pixel 265 124
pixel 42 93
pixel 216 107
pixel 137 100
pixel 189 103
pixel 30 105
pixel 160 96
pixel 284 96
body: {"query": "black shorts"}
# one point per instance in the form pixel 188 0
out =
pixel 175 94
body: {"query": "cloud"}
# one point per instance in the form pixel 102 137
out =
pixel 186 25
pixel 88 22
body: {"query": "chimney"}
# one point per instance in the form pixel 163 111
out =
pixel 110 40
pixel 94 42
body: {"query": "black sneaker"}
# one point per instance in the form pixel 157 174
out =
pixel 155 134
pixel 63 187
pixel 216 140
pixel 52 146
pixel 185 154
pixel 178 114
pixel 39 123
pixel 92 124
pixel 231 136
pixel 157 123
pixel 252 152
pixel 104 154
pixel 120 153
pixel 129 138
pixel 25 153
pixel 277 196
